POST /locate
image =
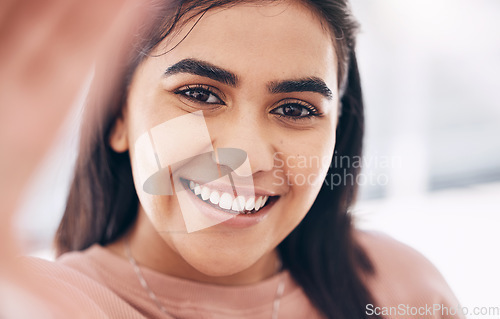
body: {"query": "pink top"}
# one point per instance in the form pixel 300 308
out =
pixel 104 285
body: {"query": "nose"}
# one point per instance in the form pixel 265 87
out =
pixel 249 133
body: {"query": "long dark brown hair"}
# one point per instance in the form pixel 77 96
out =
pixel 320 253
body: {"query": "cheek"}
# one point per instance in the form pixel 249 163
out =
pixel 163 213
pixel 162 210
pixel 157 144
pixel 304 169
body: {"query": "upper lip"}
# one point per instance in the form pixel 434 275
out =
pixel 244 190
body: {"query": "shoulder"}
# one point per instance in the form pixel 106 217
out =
pixel 402 276
pixel 72 267
pixel 61 288
pixel 76 280
pixel 390 255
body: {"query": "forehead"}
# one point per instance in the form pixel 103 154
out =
pixel 277 40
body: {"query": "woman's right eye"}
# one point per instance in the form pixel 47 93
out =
pixel 200 94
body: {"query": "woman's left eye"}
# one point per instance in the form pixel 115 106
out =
pixel 200 94
pixel 295 110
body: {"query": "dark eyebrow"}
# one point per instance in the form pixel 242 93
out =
pixel 204 69
pixel 311 84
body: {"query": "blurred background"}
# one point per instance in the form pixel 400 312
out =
pixel 431 172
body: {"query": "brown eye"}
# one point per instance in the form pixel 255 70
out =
pixel 295 110
pixel 199 94
pixel 292 110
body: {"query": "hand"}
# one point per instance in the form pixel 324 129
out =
pixel 47 49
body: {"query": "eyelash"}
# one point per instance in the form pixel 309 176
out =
pixel 312 111
pixel 205 89
pixel 199 88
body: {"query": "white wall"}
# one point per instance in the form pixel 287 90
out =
pixel 430 76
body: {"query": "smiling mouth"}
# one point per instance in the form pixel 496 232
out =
pixel 239 205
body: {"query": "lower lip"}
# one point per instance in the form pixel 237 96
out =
pixel 236 220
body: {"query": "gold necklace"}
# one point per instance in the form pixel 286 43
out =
pixel 152 295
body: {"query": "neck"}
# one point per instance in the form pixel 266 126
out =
pixel 145 244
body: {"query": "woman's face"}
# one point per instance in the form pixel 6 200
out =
pixel 264 80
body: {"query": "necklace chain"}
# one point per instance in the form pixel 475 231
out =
pixel 152 295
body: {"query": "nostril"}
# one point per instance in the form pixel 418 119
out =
pixel 245 170
pixel 235 159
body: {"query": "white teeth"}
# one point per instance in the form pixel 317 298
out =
pixel 238 204
pixel 250 204
pixel 214 197
pixel 258 203
pixel 226 200
pixel 264 201
pixel 197 189
pixel 205 193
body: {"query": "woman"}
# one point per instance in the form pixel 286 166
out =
pixel 199 192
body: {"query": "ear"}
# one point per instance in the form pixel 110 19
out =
pixel 118 138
